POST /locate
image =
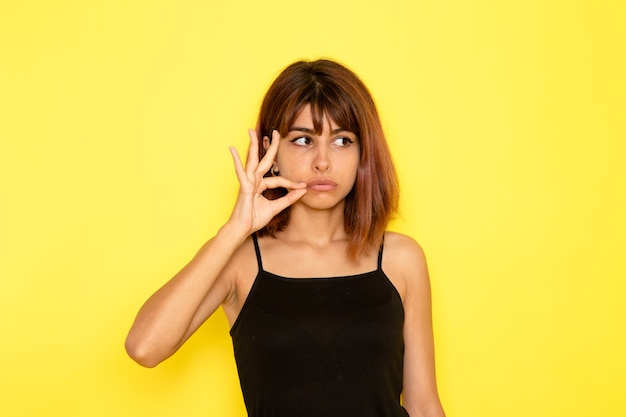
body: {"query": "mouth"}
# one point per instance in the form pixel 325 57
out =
pixel 321 185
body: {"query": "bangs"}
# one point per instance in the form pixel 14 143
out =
pixel 326 103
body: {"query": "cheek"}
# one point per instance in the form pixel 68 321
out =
pixel 352 169
pixel 289 166
pixel 292 157
pixel 356 160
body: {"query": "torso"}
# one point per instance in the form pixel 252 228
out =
pixel 319 344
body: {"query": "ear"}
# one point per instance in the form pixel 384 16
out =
pixel 266 142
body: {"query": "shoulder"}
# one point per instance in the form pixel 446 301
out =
pixel 403 249
pixel 404 262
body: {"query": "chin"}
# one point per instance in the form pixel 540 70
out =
pixel 321 202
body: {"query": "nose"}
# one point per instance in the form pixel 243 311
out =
pixel 321 162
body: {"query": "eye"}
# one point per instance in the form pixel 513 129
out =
pixel 343 141
pixel 302 141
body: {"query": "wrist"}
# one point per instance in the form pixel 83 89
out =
pixel 234 231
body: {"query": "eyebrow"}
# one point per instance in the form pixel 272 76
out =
pixel 312 132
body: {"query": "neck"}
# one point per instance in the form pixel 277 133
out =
pixel 317 227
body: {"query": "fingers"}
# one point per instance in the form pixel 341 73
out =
pixel 266 163
pixel 287 200
pixel 253 151
pixel 251 176
pixel 296 191
pixel 239 170
pixel 252 159
pixel 276 182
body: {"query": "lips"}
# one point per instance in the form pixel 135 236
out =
pixel 321 185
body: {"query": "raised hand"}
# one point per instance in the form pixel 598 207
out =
pixel 252 210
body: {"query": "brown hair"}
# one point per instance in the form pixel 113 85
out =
pixel 334 91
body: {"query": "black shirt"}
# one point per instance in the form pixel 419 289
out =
pixel 323 347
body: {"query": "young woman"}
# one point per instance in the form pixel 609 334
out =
pixel 330 314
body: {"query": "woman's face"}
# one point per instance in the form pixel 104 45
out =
pixel 327 162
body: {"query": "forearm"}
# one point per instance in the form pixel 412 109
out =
pixel 169 316
pixel 433 409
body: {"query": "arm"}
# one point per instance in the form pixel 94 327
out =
pixel 177 309
pixel 420 397
pixel 172 314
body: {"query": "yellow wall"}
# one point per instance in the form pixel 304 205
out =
pixel 507 120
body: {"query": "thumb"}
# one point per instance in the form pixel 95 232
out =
pixel 285 201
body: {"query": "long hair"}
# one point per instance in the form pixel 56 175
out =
pixel 335 92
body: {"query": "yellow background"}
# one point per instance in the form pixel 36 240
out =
pixel 507 122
